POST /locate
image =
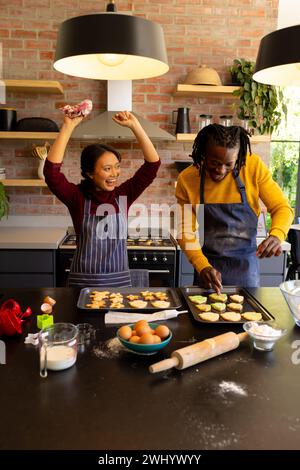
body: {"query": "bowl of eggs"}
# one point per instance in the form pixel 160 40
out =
pixel 143 337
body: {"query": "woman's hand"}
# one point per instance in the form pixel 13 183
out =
pixel 271 246
pixel 211 278
pixel 71 123
pixel 126 119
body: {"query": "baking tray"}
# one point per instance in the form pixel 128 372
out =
pixel 84 298
pixel 250 304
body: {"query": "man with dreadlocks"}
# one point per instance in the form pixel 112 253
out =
pixel 229 181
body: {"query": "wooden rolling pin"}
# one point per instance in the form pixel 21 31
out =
pixel 199 352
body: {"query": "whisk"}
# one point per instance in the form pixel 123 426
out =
pixel 41 151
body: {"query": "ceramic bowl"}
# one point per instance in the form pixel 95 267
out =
pixel 145 348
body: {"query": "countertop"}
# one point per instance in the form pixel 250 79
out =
pixel 108 401
pixel 31 237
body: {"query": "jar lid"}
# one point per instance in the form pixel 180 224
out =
pixel 205 116
pixel 7 109
pixel 226 116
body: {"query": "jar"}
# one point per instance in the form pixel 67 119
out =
pixel 226 120
pixel 2 174
pixel 204 120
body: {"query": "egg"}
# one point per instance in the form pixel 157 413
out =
pixel 156 339
pixel 146 338
pixel 125 332
pixel 140 322
pixel 134 339
pixel 162 331
pixel 142 329
pixel 134 333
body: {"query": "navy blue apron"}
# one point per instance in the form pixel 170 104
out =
pixel 100 260
pixel 230 231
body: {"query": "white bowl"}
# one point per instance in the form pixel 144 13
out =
pixel 291 293
pixel 264 338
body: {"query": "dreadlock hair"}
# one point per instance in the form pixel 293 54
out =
pixel 222 136
pixel 89 158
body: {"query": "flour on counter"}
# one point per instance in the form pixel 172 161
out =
pixel 108 349
pixel 232 387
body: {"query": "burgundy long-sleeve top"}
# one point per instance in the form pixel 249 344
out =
pixel 71 195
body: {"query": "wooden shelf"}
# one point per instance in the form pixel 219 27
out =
pixel 34 86
pixel 206 90
pixel 256 139
pixel 23 182
pixel 28 135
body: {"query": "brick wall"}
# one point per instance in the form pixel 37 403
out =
pixel 210 32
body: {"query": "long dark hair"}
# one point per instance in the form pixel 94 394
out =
pixel 229 137
pixel 88 160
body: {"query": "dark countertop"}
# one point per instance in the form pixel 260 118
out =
pixel 115 403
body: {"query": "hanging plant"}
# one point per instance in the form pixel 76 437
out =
pixel 262 105
pixel 3 202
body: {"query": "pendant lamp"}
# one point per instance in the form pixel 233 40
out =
pixel 278 58
pixel 111 46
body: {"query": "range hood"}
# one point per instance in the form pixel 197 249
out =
pixel 119 98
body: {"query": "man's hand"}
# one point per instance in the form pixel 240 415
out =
pixel 271 246
pixel 211 279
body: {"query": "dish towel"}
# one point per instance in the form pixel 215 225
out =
pixel 125 317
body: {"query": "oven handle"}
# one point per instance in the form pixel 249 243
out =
pixel 158 271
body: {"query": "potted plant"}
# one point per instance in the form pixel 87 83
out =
pixel 262 105
pixel 3 202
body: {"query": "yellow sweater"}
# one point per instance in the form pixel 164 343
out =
pixel 259 185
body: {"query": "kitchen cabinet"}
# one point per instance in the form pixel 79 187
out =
pixel 272 270
pixel 27 268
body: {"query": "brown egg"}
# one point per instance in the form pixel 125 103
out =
pixel 162 331
pixel 142 329
pixel 146 338
pixel 156 339
pixel 125 332
pixel 140 322
pixel 134 339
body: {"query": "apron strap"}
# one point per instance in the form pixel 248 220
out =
pixel 239 183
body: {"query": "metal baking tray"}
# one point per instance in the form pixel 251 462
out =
pixel 84 298
pixel 250 304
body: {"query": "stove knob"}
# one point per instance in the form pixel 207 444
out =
pixel 134 258
pixel 145 258
pixel 154 259
pixel 165 259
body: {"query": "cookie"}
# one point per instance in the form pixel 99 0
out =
pixel 160 304
pixel 198 299
pixel 231 316
pixel 237 299
pixel 212 317
pixel 203 307
pixel 235 307
pixel 218 307
pixel 218 297
pixel 138 304
pixel 252 316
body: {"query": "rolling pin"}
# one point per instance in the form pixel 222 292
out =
pixel 199 352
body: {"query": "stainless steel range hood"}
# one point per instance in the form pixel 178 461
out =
pixel 119 98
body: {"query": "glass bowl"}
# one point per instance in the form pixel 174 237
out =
pixel 261 334
pixel 291 293
pixel 145 349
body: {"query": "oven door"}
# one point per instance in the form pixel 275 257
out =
pixel 161 271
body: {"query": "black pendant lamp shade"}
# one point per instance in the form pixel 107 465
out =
pixel 111 46
pixel 278 58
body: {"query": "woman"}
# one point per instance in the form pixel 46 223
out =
pixel 229 182
pixel 98 206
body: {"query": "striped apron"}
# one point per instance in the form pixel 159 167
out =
pixel 101 259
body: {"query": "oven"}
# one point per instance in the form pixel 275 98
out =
pixel 156 255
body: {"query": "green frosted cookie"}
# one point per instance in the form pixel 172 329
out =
pixel 197 299
pixel 218 307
